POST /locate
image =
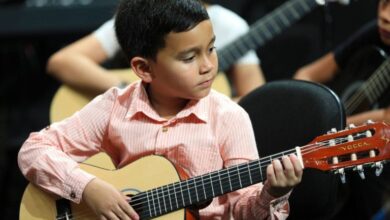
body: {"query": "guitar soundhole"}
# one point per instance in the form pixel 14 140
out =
pixel 63 209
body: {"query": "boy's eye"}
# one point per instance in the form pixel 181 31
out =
pixel 188 59
pixel 212 49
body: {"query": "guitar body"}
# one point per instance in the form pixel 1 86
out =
pixel 350 83
pixel 144 174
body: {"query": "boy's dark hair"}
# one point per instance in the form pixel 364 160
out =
pixel 142 25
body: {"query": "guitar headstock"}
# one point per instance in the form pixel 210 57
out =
pixel 354 147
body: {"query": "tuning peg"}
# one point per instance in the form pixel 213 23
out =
pixel 369 122
pixel 379 168
pixel 350 126
pixel 360 170
pixel 333 130
pixel 342 175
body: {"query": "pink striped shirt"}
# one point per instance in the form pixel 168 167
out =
pixel 207 135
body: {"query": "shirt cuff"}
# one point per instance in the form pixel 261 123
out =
pixel 278 206
pixel 74 185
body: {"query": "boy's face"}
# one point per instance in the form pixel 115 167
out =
pixel 187 65
pixel 384 21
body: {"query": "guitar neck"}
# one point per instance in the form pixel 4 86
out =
pixel 265 29
pixel 378 82
pixel 372 89
pixel 197 190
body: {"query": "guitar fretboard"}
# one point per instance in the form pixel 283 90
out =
pixel 373 88
pixel 168 198
pixel 264 29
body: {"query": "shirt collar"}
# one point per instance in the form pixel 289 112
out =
pixel 140 104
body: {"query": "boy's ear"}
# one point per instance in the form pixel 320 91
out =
pixel 141 68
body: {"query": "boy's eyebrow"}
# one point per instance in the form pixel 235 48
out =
pixel 195 48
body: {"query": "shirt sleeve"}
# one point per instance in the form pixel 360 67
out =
pixel 253 202
pixel 107 37
pixel 49 158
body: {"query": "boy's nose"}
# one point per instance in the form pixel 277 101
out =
pixel 207 65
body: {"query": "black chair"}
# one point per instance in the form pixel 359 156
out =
pixel 289 113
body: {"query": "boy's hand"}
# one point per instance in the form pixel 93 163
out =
pixel 107 202
pixel 282 178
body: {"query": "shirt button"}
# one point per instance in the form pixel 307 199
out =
pixel 165 129
pixel 72 195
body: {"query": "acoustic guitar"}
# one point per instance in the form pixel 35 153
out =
pixel 364 83
pixel 66 101
pixel 157 190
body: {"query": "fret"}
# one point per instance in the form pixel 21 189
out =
pixel 182 194
pixel 382 83
pixel 158 204
pixel 261 171
pixel 188 191
pixel 275 25
pixel 224 181
pixel 250 174
pixel 299 8
pixel 294 12
pixel 305 6
pixel 369 95
pixel 283 18
pixel 175 193
pixel 229 180
pixel 149 207
pixel 169 196
pixel 203 187
pixel 212 185
pixel 160 201
pixel 155 201
pixel 154 206
pixel 267 32
pixel 249 41
pixel 239 47
pixel 239 176
pixel 219 183
pixel 196 190
pixel 163 199
pixel 256 35
pixel 386 75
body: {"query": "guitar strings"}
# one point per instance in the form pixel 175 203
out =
pixel 262 163
pixel 270 25
pixel 365 91
pixel 357 98
pixel 306 149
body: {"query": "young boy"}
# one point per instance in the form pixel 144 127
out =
pixel 172 112
pixel 79 64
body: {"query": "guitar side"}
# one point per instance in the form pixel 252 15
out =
pixel 139 176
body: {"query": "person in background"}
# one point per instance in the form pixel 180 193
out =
pixel 79 64
pixel 366 197
pixel 375 33
pixel 171 112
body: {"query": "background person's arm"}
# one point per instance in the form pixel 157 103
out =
pixel 78 65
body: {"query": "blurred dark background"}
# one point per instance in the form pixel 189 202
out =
pixel 31 30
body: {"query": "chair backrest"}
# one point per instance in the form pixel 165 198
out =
pixel 289 113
